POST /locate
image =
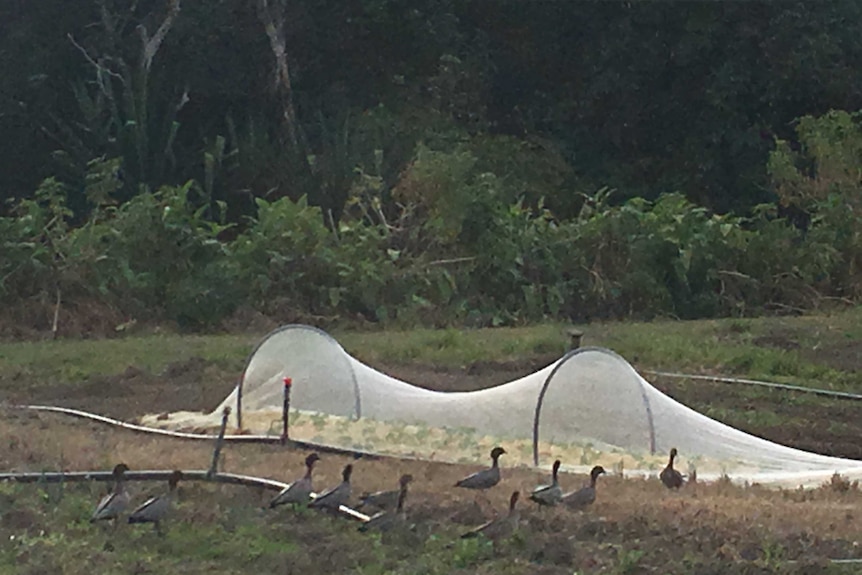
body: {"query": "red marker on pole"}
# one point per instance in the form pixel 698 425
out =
pixel 285 409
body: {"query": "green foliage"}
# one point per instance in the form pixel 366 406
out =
pixel 677 96
pixel 164 253
pixel 826 165
pixel 441 185
pixel 456 239
pixel 823 180
pixel 288 250
pixel 36 243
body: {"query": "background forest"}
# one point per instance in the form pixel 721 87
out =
pixel 435 162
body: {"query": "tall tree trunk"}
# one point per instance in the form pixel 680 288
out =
pixel 271 14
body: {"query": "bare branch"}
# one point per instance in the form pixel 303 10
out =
pixel 55 325
pixel 184 99
pixel 152 45
pixel 844 300
pixel 107 22
pixel 98 65
pixel 451 261
pixel 736 274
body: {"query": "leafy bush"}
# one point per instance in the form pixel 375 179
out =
pixel 460 237
pixel 35 240
pixel 823 181
pixel 157 252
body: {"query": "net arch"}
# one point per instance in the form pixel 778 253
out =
pixel 584 370
pixel 588 407
pixel 310 352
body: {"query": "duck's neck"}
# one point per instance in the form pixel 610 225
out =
pixel 494 461
pixel 308 471
pixel 670 461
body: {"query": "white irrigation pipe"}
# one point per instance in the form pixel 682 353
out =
pixel 769 384
pixel 272 439
pixel 155 430
pixel 193 475
pixel 239 438
pixel 160 475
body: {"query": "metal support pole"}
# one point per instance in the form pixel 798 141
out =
pixel 219 443
pixel 239 401
pixel 285 411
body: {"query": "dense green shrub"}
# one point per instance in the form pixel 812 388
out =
pixel 452 241
pixel 39 255
pixel 158 252
pixel 823 181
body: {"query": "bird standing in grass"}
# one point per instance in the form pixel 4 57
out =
pixel 671 478
pixel 113 504
pixel 155 509
pixel 300 490
pixel 584 496
pixel 387 520
pixel 549 495
pixel 335 497
pixel 486 478
pixel 386 500
pixel 501 527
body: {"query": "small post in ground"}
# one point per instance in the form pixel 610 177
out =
pixel 285 411
pixel 219 442
pixel 239 402
pixel 575 335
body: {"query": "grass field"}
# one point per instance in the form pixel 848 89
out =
pixel 636 526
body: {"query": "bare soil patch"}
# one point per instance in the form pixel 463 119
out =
pixel 192 384
pixel 821 344
pixel 842 355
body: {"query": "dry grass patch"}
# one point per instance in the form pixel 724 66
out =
pixel 634 521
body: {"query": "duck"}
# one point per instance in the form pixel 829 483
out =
pixel 335 497
pixel 385 500
pixel 387 520
pixel 501 527
pixel 486 478
pixel 300 490
pixel 155 509
pixel 671 478
pixel 584 496
pixel 549 495
pixel 112 505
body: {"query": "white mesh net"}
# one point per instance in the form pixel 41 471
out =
pixel 589 407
